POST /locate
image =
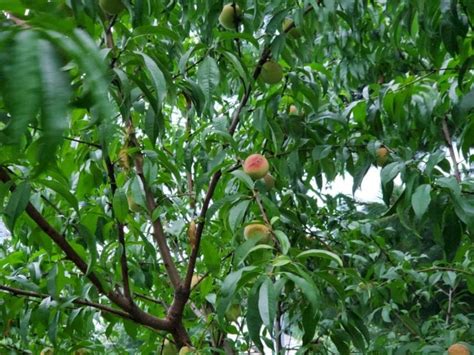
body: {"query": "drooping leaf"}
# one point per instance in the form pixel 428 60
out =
pixel 420 199
pixel 16 205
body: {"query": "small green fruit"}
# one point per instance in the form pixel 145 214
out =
pixel 269 181
pixel 169 348
pixel 294 32
pixel 132 205
pixel 258 231
pixel 233 313
pixel 230 18
pixel 272 72
pixel 184 350
pixel 112 7
pixel 195 280
pixel 256 166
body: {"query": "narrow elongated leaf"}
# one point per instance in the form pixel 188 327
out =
pixel 267 303
pixel 120 205
pixel 321 254
pixel 390 171
pixel 158 79
pixel 229 287
pixel 254 322
pixel 61 190
pixel 21 86
pixel 208 76
pixel 236 214
pixel 16 205
pixel 283 240
pixel 308 289
pixel 420 200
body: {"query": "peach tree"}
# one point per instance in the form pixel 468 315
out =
pixel 134 225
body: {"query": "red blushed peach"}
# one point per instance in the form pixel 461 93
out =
pixel 256 166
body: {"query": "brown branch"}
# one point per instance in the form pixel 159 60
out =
pixel 449 144
pixel 136 314
pixel 17 21
pixel 104 308
pixel 158 232
pixel 256 195
pixel 121 233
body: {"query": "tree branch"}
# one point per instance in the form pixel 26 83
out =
pixel 158 232
pixel 136 314
pixel 16 291
pixel 121 233
pixel 449 144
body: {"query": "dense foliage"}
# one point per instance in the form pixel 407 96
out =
pixel 122 138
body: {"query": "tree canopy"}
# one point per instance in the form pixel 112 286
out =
pixel 134 228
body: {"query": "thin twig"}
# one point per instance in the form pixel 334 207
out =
pixel 16 291
pixel 121 233
pixel 449 144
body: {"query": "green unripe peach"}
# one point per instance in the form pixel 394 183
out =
pixel 184 350
pixel 294 32
pixel 458 349
pixel 256 166
pixel 271 73
pixel 169 348
pixel 258 231
pixel 381 156
pixel 112 7
pixel 269 181
pixel 195 280
pixel 233 313
pixel 230 17
pixel 132 205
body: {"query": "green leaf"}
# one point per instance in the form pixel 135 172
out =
pixel 309 290
pixel 62 190
pixel 310 321
pixel 19 199
pixel 120 205
pixel 420 200
pixel 55 94
pixel 237 64
pixel 390 171
pixel 254 322
pixel 267 303
pixel 247 180
pixel 229 287
pixel 237 213
pixel 321 254
pixel 208 76
pixel 284 243
pixel 158 80
pixel 20 83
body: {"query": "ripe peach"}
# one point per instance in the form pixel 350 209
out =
pixel 258 230
pixel 382 155
pixel 256 166
pixel 458 349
